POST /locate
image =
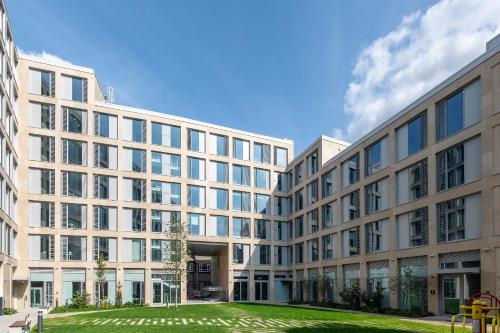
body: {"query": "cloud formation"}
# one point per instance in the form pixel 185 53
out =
pixel 46 56
pixel 426 48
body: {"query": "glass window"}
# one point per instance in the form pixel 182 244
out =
pixel 328 215
pixel 74 120
pixel 327 181
pixel 328 247
pixel 264 257
pixel 451 167
pixel 157 246
pixel 373 158
pixel 219 145
pixel 415 141
pixel 219 198
pixel 78 89
pixel 105 125
pixel 196 196
pixel 241 175
pixel 262 229
pixel 241 227
pixel 455 113
pixel 261 153
pixel 101 218
pixel 262 178
pixel 280 156
pixel 262 204
pixel 74 184
pixel 219 226
pixel 451 216
pixel 165 135
pixel 102 127
pixel 241 201
pixel 312 163
pixel 350 171
pixel 241 149
pixel 196 140
pixel 196 168
pixel 165 192
pixel 138 130
pixel 299 173
pixel 196 224
pixel 73 151
pixel 241 253
pixel 219 172
pixel 165 164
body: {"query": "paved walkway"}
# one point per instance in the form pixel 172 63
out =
pixel 6 321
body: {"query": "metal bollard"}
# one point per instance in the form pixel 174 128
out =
pixel 1 306
pixel 40 321
pixel 66 306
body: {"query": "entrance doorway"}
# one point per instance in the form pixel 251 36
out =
pixel 261 286
pixel 240 286
pixel 165 288
pixel 457 289
pixel 36 297
pixel 207 270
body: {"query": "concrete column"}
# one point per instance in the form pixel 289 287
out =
pixel 393 294
pixel 148 286
pixel 433 286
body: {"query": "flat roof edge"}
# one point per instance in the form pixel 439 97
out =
pixel 55 63
pixel 455 76
pixel 188 120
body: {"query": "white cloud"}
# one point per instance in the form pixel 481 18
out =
pixel 426 48
pixel 46 56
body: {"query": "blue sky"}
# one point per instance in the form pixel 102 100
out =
pixel 281 68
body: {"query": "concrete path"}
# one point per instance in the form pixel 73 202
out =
pixel 6 321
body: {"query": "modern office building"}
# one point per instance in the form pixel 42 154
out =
pixel 9 159
pixel 82 178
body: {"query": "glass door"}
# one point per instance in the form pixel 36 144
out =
pixel 157 294
pixel 452 294
pixel 240 291
pixel 36 297
pixel 261 290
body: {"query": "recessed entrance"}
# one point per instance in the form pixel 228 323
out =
pixel 207 272
pixel 457 290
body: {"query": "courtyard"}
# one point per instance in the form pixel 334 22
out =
pixel 232 317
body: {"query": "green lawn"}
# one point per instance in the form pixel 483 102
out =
pixel 231 317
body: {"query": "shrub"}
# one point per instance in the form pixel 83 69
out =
pixel 373 300
pixel 9 311
pixel 80 300
pixel 351 297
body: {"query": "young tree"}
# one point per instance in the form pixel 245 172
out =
pixel 119 294
pixel 100 278
pixel 176 255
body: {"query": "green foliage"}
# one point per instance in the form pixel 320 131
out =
pixel 89 307
pixel 80 300
pixel 351 297
pixel 119 294
pixel 373 300
pixel 9 311
pixel 100 273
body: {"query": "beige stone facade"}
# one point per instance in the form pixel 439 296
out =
pixel 420 192
pixel 9 114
